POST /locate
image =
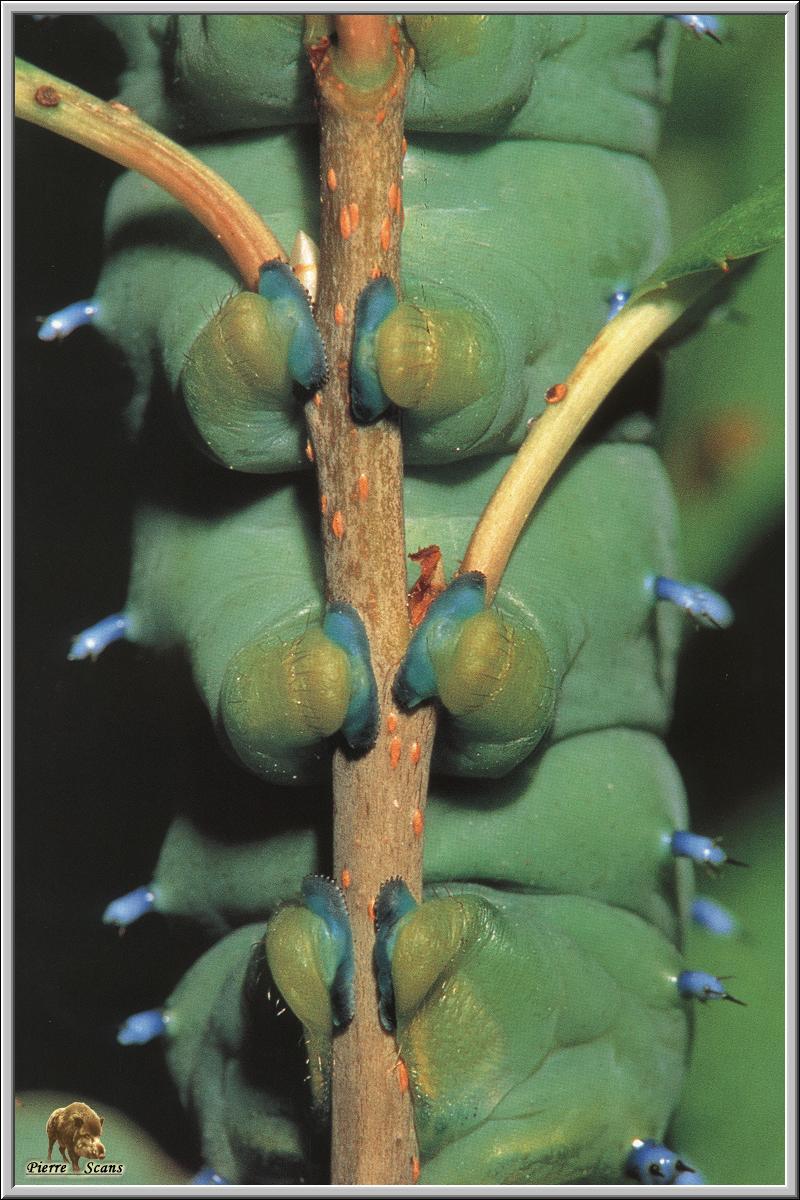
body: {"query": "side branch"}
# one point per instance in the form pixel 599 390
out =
pixel 115 131
pixel 553 434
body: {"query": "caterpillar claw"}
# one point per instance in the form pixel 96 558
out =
pixel 706 607
pixel 129 908
pixel 393 902
pixel 703 986
pixel 617 301
pixel 651 1162
pixel 704 851
pixel 143 1027
pixel 368 401
pixel 94 640
pixel 208 1175
pixel 345 629
pixel 289 301
pixel 713 917
pixel 62 323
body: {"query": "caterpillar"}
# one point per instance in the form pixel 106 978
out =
pixel 609 645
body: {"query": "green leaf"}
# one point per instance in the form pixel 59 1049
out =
pixel 748 228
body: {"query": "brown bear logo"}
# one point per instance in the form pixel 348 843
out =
pixel 77 1130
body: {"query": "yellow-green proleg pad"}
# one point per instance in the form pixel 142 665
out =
pixel 280 700
pixel 235 374
pixel 436 361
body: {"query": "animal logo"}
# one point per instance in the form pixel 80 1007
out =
pixel 77 1129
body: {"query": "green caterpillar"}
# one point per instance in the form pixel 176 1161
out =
pixel 559 869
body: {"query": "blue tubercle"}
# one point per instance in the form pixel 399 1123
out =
pixel 306 356
pixel 464 598
pixel 128 908
pixel 703 986
pixel 368 401
pixel 326 900
pixel 689 1176
pixel 713 917
pixel 61 324
pixel 705 607
pixel 701 25
pixel 93 641
pixel 651 1162
pixel 393 902
pixel 207 1175
pixel 344 627
pixel 617 301
pixel 704 851
pixel 142 1027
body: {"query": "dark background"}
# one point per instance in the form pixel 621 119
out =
pixel 105 751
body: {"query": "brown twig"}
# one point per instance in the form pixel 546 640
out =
pixel 115 131
pixel 380 797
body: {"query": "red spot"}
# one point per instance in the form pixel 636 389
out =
pixel 338 314
pixel 330 179
pixel 345 227
pixel 363 487
pixel 395 750
pixel 394 197
pixel 386 234
pixel 394 34
pixel 380 116
pixel 414 1170
pixel 376 272
pixel 556 393
pixel 417 822
pixel 391 722
pixel 371 911
pixel 47 96
pixel 404 146
pixel 346 878
pixel 337 525
pixel 318 399
pixel 402 1076
pixel 309 451
pixel 415 752
pixel 323 504
pixel 426 588
pixel 120 107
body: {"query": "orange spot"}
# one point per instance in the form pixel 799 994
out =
pixel 725 266
pixel 376 272
pixel 339 85
pixel 555 393
pixel 380 116
pixel 402 1075
pixel 395 749
pixel 338 314
pixel 386 233
pixel 415 753
pixel 337 525
pixel 323 504
pixel 363 487
pixel 318 399
pixel 355 217
pixel 394 197
pixel 330 179
pixel 371 911
pixel 309 452
pixel 345 228
pixel 391 722
pixel 346 878
pixel 394 34
pixel 414 1170
pixel 404 146
pixel 417 822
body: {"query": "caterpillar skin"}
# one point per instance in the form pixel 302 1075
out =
pixel 536 1008
pixel 203 584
